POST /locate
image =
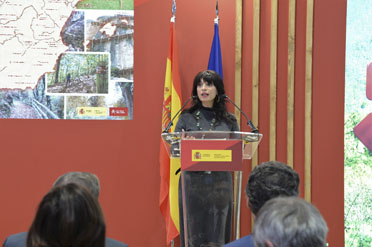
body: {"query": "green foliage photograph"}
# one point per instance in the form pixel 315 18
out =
pixel 107 4
pixel 358 159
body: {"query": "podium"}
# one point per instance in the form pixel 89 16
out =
pixel 206 188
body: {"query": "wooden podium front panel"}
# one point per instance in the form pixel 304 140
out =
pixel 211 155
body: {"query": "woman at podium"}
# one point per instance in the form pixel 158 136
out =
pixel 208 195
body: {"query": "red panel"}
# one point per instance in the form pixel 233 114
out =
pixel 328 115
pixel 299 117
pixel 369 81
pixel 245 214
pixel 264 80
pixel 139 2
pixel 364 131
pixel 124 154
pixel 194 163
pixel 282 82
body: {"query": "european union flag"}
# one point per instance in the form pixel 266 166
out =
pixel 215 58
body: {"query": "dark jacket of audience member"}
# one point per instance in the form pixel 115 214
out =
pixel 68 216
pixel 287 222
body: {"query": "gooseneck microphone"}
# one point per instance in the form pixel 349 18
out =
pixel 249 122
pixel 170 124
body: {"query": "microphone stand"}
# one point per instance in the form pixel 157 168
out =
pixel 249 122
pixel 170 124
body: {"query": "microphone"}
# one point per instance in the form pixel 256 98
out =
pixel 249 122
pixel 170 124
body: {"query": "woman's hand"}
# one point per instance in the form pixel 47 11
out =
pixel 185 137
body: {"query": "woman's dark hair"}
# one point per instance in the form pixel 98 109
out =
pixel 69 215
pixel 219 107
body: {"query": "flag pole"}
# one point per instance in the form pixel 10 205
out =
pixel 217 17
pixel 238 72
pixel 173 19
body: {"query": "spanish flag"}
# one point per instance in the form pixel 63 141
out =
pixel 168 200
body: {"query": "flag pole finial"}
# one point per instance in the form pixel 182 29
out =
pixel 217 8
pixel 173 10
pixel 217 17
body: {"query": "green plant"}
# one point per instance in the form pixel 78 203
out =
pixel 358 187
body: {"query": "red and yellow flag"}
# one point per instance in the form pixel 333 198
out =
pixel 168 200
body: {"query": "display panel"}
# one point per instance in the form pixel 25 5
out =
pixel 66 59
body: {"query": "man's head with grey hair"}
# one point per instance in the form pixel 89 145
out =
pixel 289 222
pixel 86 179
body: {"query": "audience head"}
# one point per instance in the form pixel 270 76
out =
pixel 68 216
pixel 85 179
pixel 289 222
pixel 269 180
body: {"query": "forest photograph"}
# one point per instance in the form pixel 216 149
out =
pixel 80 73
pixel 107 4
